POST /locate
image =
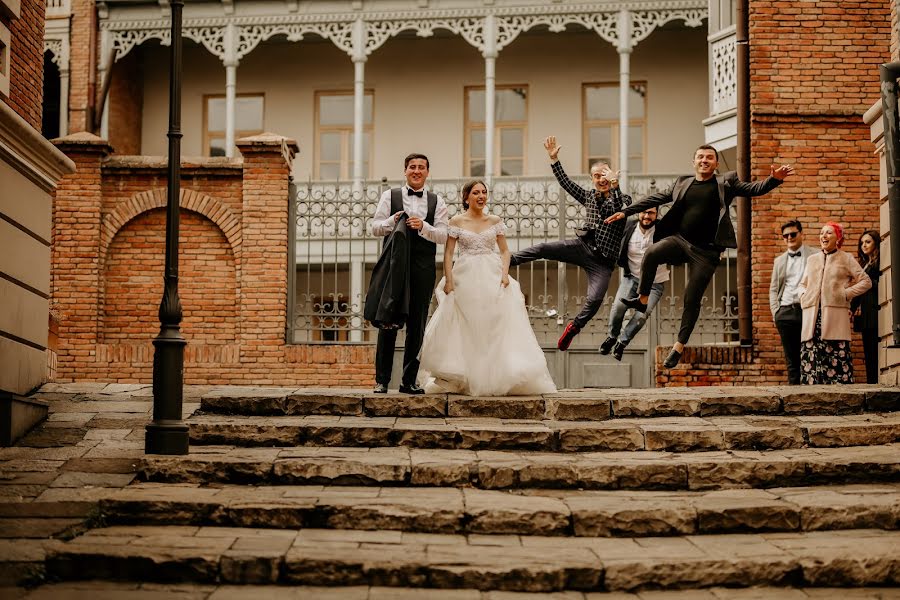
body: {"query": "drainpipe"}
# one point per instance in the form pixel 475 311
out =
pixel 744 269
pixel 90 119
pixel 889 89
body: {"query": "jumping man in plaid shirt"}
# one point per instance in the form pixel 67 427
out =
pixel 597 246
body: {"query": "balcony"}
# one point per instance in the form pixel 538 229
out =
pixel 721 126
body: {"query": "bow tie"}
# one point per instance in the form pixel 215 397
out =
pixel 794 254
pixel 412 192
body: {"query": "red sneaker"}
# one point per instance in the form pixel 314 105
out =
pixel 568 335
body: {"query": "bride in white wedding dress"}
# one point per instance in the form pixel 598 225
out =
pixel 479 341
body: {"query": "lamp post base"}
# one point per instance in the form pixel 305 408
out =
pixel 166 438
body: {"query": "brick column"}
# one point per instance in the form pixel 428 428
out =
pixel 75 274
pixel 264 251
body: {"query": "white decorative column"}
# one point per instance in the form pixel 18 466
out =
pixel 624 47
pixel 64 98
pixel 104 68
pixel 490 59
pixel 231 64
pixel 359 97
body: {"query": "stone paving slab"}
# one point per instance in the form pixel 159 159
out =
pixel 588 404
pixel 676 434
pixel 505 469
pixel 525 512
pixel 539 564
pixel 103 590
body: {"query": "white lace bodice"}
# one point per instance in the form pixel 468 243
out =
pixel 470 242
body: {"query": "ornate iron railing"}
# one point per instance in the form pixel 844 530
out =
pixel 722 71
pixel 334 253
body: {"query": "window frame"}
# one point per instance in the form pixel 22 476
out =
pixel 238 133
pixel 586 125
pixel 468 127
pixel 344 168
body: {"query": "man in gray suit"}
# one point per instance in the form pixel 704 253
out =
pixel 784 297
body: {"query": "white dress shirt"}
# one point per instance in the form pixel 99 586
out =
pixel 637 245
pixel 383 221
pixel 793 273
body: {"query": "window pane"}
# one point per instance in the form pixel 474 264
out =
pixel 330 146
pixel 636 139
pixel 601 102
pixel 336 110
pixel 599 141
pixel 248 113
pixel 511 143
pixel 510 167
pixel 215 114
pixel 217 147
pixel 635 164
pixel 329 171
pixel 476 168
pixel 476 106
pixel 636 103
pixel 476 144
pixel 511 104
pixel 367 109
pixel 366 137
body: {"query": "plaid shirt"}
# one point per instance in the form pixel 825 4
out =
pixel 605 240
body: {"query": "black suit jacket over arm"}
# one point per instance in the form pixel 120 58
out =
pixel 387 301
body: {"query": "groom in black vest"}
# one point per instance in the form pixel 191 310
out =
pixel 427 226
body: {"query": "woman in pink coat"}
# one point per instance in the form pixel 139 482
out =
pixel 830 281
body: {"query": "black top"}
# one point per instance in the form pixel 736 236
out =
pixel 700 213
pixel 868 302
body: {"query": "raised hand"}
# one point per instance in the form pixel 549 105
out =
pixel 614 217
pixel 782 171
pixel 611 176
pixel 552 148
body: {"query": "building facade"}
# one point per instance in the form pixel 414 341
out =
pixel 29 169
pixel 475 85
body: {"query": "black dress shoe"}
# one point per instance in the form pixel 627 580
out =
pixel 607 345
pixel 635 303
pixel 411 389
pixel 618 350
pixel 672 359
pixel 380 388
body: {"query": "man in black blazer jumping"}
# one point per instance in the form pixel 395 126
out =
pixel 696 230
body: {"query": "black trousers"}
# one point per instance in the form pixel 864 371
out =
pixel 574 252
pixel 788 321
pixel 870 352
pixel 701 263
pixel 421 286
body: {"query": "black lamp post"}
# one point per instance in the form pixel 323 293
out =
pixel 168 434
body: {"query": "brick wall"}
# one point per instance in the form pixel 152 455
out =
pixel 82 24
pixel 126 96
pixel 814 72
pixel 108 264
pixel 26 87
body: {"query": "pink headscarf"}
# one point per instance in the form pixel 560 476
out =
pixel 838 231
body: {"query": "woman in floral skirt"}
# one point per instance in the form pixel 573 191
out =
pixel 832 278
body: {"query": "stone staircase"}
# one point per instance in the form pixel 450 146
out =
pixel 726 492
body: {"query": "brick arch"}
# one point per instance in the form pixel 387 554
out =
pixel 132 273
pixel 191 200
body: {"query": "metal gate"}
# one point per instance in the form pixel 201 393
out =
pixel 334 254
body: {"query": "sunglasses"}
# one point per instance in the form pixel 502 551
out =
pixel 790 235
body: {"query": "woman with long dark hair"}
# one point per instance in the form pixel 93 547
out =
pixel 865 307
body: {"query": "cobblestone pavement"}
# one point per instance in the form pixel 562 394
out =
pixel 582 494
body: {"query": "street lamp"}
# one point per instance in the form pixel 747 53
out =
pixel 168 434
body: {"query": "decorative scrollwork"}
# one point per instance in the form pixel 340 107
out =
pixel 644 22
pixel 212 38
pixel 724 75
pixel 55 48
pixel 124 41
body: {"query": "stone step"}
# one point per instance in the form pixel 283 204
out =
pixel 115 590
pixel 674 434
pixel 491 469
pixel 525 512
pixel 858 557
pixel 588 404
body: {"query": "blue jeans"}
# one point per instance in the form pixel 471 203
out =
pixel 628 288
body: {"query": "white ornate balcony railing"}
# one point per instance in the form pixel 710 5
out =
pixel 722 71
pixel 57 8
